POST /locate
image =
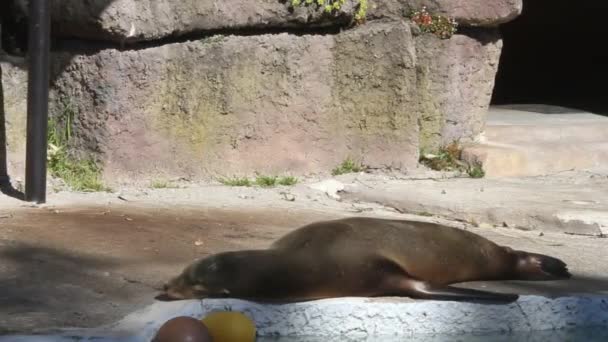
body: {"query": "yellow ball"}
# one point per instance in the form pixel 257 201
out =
pixel 230 326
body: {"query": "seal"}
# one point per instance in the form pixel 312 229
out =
pixel 364 257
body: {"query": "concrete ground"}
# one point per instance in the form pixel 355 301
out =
pixel 573 202
pixel 84 260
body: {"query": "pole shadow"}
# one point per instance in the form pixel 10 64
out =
pixel 5 184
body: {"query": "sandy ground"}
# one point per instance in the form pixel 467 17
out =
pixel 87 259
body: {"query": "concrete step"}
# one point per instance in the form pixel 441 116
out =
pixel 553 132
pixel 535 159
pixel 521 142
pixel 508 125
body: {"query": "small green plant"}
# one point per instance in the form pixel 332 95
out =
pixel 236 181
pixel 347 166
pixel 476 171
pixel 263 181
pixel 287 181
pixel 78 174
pixel 162 184
pixel 449 158
pixel 266 181
pixel 446 159
pixel 332 6
pixel 439 25
pixel 213 39
pixel 361 11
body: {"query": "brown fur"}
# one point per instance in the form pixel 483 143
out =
pixel 363 257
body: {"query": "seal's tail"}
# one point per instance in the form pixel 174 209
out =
pixel 533 266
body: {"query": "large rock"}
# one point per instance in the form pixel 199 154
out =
pixel 455 81
pixel 482 13
pixel 138 20
pixel 238 104
pixel 488 13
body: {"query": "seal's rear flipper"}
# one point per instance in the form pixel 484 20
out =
pixel 423 290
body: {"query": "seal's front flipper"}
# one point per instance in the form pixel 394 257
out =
pixel 423 290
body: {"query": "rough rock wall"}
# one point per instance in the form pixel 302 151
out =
pixel 233 104
pixel 243 98
pixel 455 83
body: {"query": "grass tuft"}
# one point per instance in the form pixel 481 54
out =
pixel 262 181
pixel 347 166
pixel 78 174
pixel 287 181
pixel 449 158
pixel 162 184
pixel 266 181
pixel 236 181
pixel 476 171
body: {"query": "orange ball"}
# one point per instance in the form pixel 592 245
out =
pixel 183 329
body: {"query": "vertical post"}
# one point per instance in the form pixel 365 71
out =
pixel 37 100
pixel 4 180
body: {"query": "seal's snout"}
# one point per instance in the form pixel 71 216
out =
pixel 169 293
pixel 171 290
pixel 163 297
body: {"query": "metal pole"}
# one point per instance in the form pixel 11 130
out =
pixel 4 180
pixel 37 100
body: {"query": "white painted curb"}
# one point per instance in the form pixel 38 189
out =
pixel 358 318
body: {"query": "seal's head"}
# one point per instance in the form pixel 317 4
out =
pixel 203 278
pixel 532 266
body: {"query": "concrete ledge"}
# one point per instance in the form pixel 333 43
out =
pixel 357 319
pixel 533 140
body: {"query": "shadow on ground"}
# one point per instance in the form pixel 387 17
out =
pixel 84 267
pixel 44 287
